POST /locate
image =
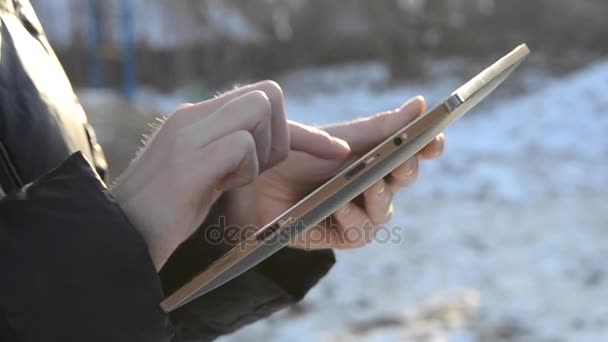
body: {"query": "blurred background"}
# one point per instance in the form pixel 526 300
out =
pixel 503 239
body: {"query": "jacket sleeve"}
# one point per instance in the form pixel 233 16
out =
pixel 73 268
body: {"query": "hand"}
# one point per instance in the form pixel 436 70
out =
pixel 306 168
pixel 199 152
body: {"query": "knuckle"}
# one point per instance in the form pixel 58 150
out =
pixel 273 89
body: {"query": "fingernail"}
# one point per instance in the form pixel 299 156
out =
pixel 381 190
pixel 412 164
pixel 419 99
pixel 343 143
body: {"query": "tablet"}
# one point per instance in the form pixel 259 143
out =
pixel 348 184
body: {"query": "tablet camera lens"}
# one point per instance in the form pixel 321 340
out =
pixel 398 141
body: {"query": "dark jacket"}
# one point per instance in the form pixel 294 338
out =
pixel 72 267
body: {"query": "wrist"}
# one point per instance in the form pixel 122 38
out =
pixel 160 246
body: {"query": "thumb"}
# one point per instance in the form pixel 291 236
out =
pixel 317 142
pixel 364 134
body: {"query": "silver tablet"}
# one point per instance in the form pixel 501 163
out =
pixel 348 184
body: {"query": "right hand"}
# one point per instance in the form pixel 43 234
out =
pixel 199 152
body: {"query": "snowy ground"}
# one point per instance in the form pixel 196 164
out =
pixel 503 239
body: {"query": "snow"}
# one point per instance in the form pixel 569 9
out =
pixel 502 239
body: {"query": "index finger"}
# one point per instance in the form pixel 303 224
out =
pixel 364 134
pixel 316 142
pixel 278 122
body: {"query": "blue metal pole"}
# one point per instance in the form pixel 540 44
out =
pixel 129 57
pixel 93 44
